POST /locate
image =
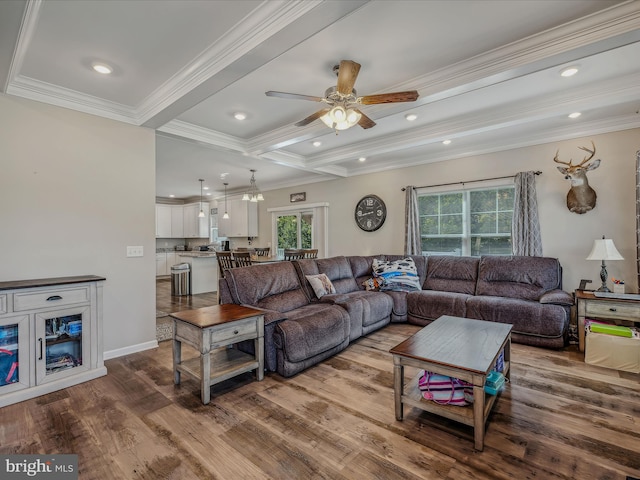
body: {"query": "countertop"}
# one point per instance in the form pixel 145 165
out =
pixel 196 254
pixel 47 282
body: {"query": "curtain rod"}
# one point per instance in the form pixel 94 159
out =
pixel 538 172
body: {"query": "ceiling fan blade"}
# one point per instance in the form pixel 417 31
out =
pixel 409 96
pixel 347 75
pixel 294 96
pixel 365 122
pixel 312 117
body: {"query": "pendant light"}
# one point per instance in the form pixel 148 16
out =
pixel 253 195
pixel 201 214
pixel 226 215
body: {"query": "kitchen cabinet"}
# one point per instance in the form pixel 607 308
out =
pixel 164 262
pixel 163 221
pixel 177 221
pixel 50 335
pixel 242 221
pixel 194 226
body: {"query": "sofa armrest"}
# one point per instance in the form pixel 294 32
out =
pixel 557 297
pixel 270 316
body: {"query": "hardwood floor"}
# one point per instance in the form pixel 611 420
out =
pixel 165 302
pixel 559 419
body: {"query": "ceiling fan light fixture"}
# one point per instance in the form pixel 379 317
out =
pixel 340 118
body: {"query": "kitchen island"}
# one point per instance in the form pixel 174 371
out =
pixel 204 270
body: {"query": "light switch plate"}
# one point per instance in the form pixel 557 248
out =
pixel 135 251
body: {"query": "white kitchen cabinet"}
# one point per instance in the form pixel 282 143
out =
pixel 194 226
pixel 161 264
pixel 50 335
pixel 163 221
pixel 177 221
pixel 242 221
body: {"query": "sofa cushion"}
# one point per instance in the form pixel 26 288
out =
pixel 361 267
pixel 274 286
pixel 399 275
pixel 448 273
pixel 312 330
pixel 527 317
pixel 430 304
pixel 518 277
pixel 339 272
pixel 321 284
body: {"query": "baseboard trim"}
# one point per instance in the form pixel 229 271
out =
pixel 140 347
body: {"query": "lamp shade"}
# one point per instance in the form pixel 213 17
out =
pixel 604 249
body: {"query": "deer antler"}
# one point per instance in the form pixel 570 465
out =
pixel 555 159
pixel 592 152
pixel 586 159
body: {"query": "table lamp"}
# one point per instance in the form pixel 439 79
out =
pixel 604 249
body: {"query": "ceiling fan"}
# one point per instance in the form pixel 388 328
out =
pixel 342 100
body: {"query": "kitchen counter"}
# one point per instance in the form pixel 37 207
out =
pixel 204 270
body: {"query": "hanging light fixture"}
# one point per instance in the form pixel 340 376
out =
pixel 226 215
pixel 201 214
pixel 253 194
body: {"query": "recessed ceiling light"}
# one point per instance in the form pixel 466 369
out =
pixel 574 115
pixel 102 68
pixel 446 142
pixel 223 175
pixel 208 193
pixel 317 143
pixel 362 159
pixel 569 71
pixel 239 116
pixel 205 188
pixel 171 196
pixel 411 117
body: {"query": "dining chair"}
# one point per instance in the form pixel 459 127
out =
pixel 263 251
pixel 293 254
pixel 225 261
pixel 310 252
pixel 242 259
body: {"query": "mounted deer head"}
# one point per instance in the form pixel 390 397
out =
pixel 581 198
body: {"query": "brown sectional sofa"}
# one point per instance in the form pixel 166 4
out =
pixel 302 330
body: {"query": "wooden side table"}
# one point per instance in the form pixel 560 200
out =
pixel 211 330
pixel 604 308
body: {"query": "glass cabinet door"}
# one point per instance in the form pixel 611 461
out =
pixel 61 343
pixel 14 353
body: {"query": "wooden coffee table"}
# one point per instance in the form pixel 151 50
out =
pixel 211 330
pixel 458 347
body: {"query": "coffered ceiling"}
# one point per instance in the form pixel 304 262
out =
pixel 488 75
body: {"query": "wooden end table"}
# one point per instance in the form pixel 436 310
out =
pixel 211 330
pixel 458 347
pixel 619 310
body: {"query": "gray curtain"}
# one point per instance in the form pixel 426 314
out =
pixel 411 223
pixel 525 228
pixel 638 214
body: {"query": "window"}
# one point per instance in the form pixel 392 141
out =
pixel 295 231
pixel 469 222
pixel 300 226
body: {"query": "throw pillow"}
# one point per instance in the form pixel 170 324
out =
pixel 398 275
pixel 373 283
pixel 321 284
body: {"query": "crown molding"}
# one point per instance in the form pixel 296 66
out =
pixel 262 23
pixel 204 135
pixel 550 135
pixel 620 89
pixel 596 33
pixel 27 30
pixel 63 97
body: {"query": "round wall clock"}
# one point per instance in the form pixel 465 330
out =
pixel 370 213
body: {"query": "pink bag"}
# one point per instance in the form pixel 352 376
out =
pixel 445 390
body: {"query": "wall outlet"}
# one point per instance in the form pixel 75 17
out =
pixel 135 251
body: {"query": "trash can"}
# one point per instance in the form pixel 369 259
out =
pixel 180 281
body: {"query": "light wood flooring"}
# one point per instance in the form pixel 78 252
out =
pixel 558 419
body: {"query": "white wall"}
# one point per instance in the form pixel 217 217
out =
pixel 75 190
pixel 565 235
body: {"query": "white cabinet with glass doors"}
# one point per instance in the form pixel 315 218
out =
pixel 50 335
